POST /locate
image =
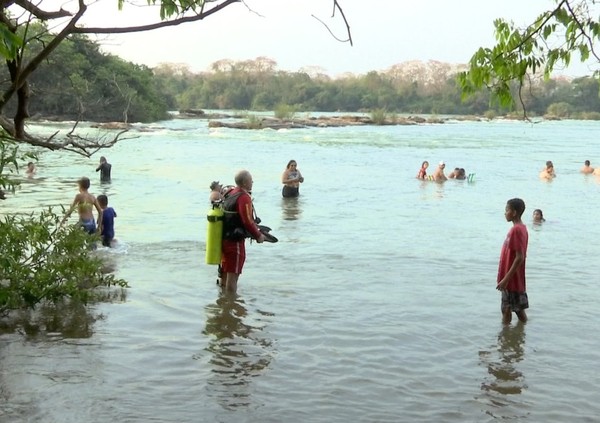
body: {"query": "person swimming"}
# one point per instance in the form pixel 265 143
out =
pixel 538 216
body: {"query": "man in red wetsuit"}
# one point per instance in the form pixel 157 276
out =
pixel 238 224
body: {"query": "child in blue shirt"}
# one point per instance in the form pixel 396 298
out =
pixel 107 230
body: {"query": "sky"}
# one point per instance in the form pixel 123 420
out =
pixel 384 32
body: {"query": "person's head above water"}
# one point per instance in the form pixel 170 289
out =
pixel 538 215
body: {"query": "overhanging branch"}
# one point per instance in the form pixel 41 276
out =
pixel 164 24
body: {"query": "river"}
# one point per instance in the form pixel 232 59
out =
pixel 378 303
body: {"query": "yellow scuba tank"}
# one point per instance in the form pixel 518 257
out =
pixel 214 234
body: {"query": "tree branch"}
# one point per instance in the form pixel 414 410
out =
pixel 164 24
pixel 39 13
pixel 336 6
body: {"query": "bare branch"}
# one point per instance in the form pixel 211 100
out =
pixel 130 29
pixel 39 13
pixel 336 6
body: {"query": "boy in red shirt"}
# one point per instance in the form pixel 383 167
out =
pixel 511 269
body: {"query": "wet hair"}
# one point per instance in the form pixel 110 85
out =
pixel 517 205
pixel 423 164
pixel 587 162
pixel 540 212
pixel 214 185
pixel 102 200
pixel 549 163
pixel 290 163
pixel 84 182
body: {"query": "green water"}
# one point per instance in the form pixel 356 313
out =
pixel 377 305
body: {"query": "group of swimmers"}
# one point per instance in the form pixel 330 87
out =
pixel 85 203
pixel 439 175
pixel 548 172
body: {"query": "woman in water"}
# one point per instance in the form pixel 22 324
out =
pixel 423 171
pixel 85 203
pixel 538 216
pixel 291 180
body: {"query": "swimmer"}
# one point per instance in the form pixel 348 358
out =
pixel 423 171
pixel 439 175
pixel 587 169
pixel 538 216
pixel 548 172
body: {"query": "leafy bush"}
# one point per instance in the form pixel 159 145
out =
pixel 587 116
pixel 254 122
pixel 490 114
pixel 284 111
pixel 559 110
pixel 379 116
pixel 41 262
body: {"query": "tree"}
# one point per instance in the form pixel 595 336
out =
pixel 17 18
pixel 570 28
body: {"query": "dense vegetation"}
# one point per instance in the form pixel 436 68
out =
pixel 78 81
pixel 405 88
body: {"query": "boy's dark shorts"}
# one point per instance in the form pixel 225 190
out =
pixel 515 301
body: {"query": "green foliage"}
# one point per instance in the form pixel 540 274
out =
pixel 586 115
pixel 490 114
pixel 560 110
pixel 254 122
pixel 543 46
pixel 41 262
pixel 284 111
pixel 10 157
pixel 379 116
pixel 10 43
pixel 78 81
pixel 435 91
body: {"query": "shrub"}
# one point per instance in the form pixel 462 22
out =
pixel 559 110
pixel 284 111
pixel 379 116
pixel 254 122
pixel 42 262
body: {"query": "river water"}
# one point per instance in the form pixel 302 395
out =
pixel 378 304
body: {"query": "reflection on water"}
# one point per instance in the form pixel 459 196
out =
pixel 290 208
pixel 70 320
pixel 504 379
pixel 239 352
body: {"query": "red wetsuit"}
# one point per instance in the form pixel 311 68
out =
pixel 234 251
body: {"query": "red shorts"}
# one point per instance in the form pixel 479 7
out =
pixel 234 256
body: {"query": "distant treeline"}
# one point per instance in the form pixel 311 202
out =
pixel 78 81
pixel 413 87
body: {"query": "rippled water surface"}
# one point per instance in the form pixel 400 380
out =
pixel 377 305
